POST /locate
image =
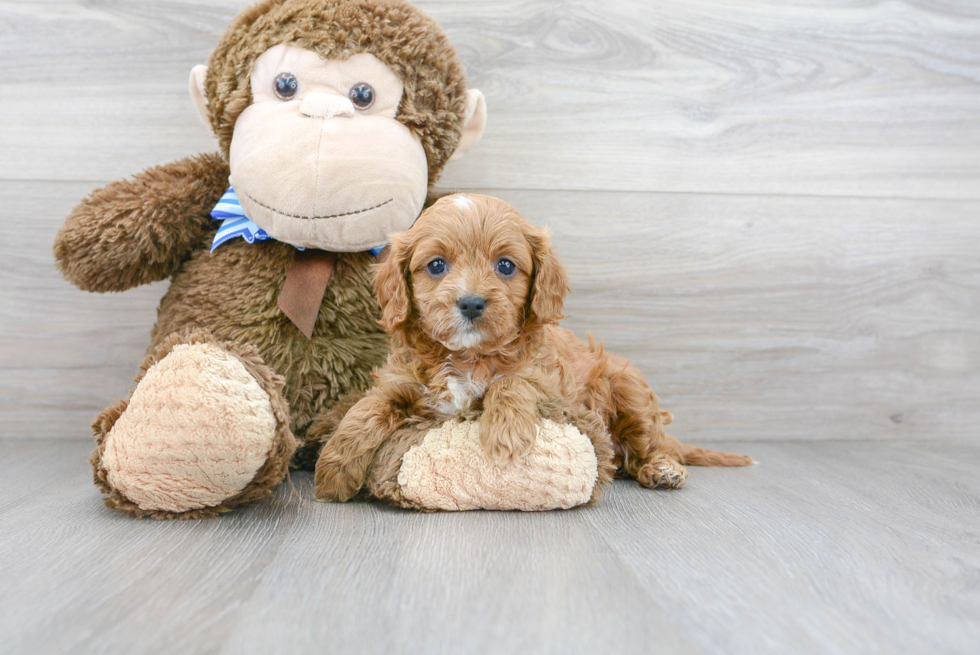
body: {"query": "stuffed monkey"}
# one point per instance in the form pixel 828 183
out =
pixel 333 118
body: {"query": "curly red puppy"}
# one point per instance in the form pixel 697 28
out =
pixel 472 295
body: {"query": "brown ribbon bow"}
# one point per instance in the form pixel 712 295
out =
pixel 306 282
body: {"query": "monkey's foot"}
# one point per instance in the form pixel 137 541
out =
pixel 206 428
pixel 449 469
pixel 662 472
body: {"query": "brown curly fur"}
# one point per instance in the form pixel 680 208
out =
pixel 523 367
pixel 138 231
pixel 157 224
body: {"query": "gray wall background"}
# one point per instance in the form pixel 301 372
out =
pixel 773 208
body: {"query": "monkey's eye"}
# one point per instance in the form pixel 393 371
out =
pixel 286 86
pixel 362 95
pixel 506 267
pixel 436 267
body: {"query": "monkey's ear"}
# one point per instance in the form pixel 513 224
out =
pixel 391 284
pixel 475 121
pixel 196 84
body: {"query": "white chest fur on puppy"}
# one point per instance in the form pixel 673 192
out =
pixel 461 391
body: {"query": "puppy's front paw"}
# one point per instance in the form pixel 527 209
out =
pixel 507 436
pixel 333 481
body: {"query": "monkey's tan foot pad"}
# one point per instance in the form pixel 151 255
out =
pixel 449 470
pixel 195 432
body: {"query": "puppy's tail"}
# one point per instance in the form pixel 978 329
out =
pixel 700 457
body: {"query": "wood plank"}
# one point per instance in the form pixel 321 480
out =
pixel 837 547
pixel 81 578
pixel 64 354
pixel 753 317
pixel 367 579
pixel 30 468
pixel 775 318
pixel 731 96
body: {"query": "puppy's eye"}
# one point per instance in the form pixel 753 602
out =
pixel 362 95
pixel 506 267
pixel 436 267
pixel 286 86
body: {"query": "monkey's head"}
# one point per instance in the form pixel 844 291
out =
pixel 336 116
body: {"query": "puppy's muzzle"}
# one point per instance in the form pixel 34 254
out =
pixel 471 307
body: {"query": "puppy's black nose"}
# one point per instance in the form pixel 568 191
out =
pixel 471 306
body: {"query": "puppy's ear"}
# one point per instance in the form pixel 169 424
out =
pixel 549 283
pixel 391 284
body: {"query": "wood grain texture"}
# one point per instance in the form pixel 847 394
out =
pixel 817 551
pixel 827 548
pixel 753 317
pixel 737 96
pixel 774 318
pixel 63 352
pixel 149 587
pixel 818 281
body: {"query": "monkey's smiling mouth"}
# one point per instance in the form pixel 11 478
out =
pixel 317 218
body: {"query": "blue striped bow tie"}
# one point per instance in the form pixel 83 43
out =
pixel 234 223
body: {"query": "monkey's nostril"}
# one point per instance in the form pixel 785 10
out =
pixel 471 306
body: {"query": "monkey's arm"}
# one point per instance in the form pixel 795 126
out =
pixel 139 230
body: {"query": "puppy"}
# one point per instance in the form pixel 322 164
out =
pixel 472 295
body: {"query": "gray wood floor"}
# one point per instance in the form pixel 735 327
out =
pixel 833 547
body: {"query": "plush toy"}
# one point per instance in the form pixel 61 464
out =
pixel 440 464
pixel 334 118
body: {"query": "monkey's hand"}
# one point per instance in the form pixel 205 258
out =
pixel 139 230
